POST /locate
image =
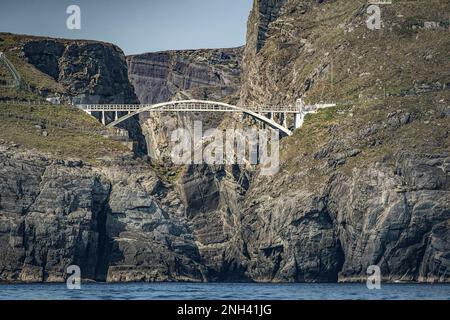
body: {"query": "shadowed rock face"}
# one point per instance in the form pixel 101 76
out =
pixel 45 55
pixel 118 222
pixel 146 242
pixel 202 74
pixel 91 72
pixel 50 211
pixel 263 13
pixel 208 197
pixel 109 222
pixel 293 234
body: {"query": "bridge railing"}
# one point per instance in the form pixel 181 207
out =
pixel 263 113
pixel 17 79
pixel 184 107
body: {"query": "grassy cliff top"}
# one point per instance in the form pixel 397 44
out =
pixel 62 131
pixel 10 45
pixel 391 85
pixel 352 136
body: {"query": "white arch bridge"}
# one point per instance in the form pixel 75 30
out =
pixel 264 114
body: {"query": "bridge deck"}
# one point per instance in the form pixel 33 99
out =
pixel 191 107
pixel 300 110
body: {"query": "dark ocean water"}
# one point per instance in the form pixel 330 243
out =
pixel 228 291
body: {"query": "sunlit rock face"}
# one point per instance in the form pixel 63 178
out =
pixel 358 186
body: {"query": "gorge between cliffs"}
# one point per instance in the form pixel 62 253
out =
pixel 366 182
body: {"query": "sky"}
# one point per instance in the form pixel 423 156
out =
pixel 136 26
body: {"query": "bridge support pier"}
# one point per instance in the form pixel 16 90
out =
pixel 283 119
pixel 103 118
pixel 298 121
pixel 116 116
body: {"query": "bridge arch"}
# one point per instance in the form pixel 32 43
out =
pixel 165 106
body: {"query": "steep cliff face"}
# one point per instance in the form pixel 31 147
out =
pixel 263 13
pixel 324 51
pixel 190 74
pixel 366 182
pixel 90 72
pixel 398 220
pixel 55 213
pixel 208 197
pixel 148 236
pixel 118 221
pixel 390 212
pixel 212 197
pixel 50 214
pixel 147 229
pixel 208 74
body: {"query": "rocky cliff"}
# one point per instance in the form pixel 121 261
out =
pixel 207 74
pixel 348 194
pixel 108 221
pixel 147 223
pixel 118 220
pixel 78 71
pixel 364 183
pixel 190 74
pixel 89 71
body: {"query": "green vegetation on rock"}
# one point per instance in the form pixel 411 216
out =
pixel 63 131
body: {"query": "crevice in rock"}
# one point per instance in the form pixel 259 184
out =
pixel 340 260
pixel 104 242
